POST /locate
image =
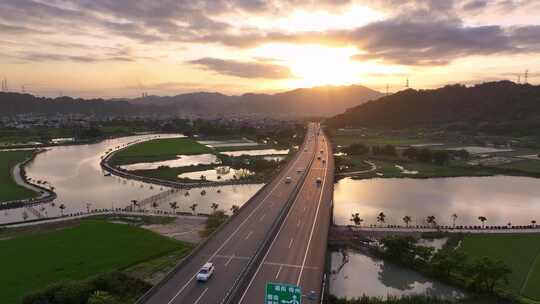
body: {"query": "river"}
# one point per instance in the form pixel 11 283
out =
pixel 77 177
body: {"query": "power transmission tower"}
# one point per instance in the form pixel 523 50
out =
pixel 407 83
pixel 526 76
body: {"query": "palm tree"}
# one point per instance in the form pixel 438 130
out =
pixel 407 219
pixel 454 218
pixel 214 206
pixel 482 219
pixel 234 209
pixel 25 215
pixel 203 193
pixel 62 207
pixel 135 204
pixel 154 205
pixel 533 222
pixel 174 206
pixel 193 207
pixel 381 218
pixel 431 220
pixel 356 219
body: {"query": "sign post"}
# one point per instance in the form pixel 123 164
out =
pixel 277 293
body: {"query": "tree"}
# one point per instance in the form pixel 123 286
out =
pixel 234 209
pixel 355 218
pixel 533 222
pixel 486 273
pixel 25 215
pixel 193 208
pixel 446 261
pixel 411 153
pixel 399 248
pixel 407 219
pixel 62 207
pixel 381 218
pixel 431 220
pixel 174 206
pixel 101 297
pixel 154 205
pixel 357 149
pixel 441 157
pixel 135 204
pixel 482 219
pixel 454 218
pixel 214 206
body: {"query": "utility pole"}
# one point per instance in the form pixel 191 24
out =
pixel 526 76
pixel 407 83
pixel 519 79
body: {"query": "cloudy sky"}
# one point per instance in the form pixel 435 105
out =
pixel 117 48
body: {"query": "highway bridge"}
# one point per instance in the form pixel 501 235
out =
pixel 278 236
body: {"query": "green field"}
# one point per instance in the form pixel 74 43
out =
pixel 521 252
pixel 9 190
pixel 158 150
pixel 528 166
pixel 34 261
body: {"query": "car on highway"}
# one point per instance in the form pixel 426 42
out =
pixel 319 181
pixel 206 272
pixel 319 158
pixel 299 171
pixel 288 180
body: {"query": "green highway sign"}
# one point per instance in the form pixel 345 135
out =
pixel 277 293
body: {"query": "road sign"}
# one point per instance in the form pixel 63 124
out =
pixel 277 293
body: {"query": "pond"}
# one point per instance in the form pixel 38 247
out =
pixel 354 274
pixel 256 152
pixel 501 199
pixel 218 174
pixel 76 175
pixel 181 161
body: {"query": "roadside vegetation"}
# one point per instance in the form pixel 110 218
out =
pixel 78 251
pixel 9 190
pixel 416 299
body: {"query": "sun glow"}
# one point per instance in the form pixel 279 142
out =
pixel 314 65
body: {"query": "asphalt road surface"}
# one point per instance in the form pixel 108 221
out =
pixel 297 253
pixel 231 247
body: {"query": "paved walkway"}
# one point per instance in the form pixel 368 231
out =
pixel 421 230
pixel 373 168
pixel 86 215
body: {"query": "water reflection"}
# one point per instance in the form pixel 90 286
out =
pixel 256 152
pixel 355 274
pixel 501 199
pixel 181 161
pixel 218 174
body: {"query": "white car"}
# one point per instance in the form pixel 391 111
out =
pixel 288 180
pixel 206 272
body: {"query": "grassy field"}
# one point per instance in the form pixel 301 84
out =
pixel 158 150
pixel 521 252
pixel 34 261
pixel 171 174
pixel 528 166
pixel 9 190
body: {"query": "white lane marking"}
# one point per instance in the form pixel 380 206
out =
pixel 228 261
pixel 249 234
pixel 279 270
pixel 313 225
pixel 200 297
pixel 289 265
pixel 260 220
pixel 232 234
pixel 272 244
pixel 290 243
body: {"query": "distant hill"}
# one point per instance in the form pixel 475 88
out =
pixel 495 105
pixel 319 101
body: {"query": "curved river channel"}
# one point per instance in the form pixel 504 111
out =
pixel 80 183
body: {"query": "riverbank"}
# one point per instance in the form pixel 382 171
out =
pixel 17 190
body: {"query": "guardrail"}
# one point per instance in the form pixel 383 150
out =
pixel 242 279
pixel 200 246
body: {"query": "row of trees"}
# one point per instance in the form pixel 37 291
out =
pixel 407 219
pixel 481 274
